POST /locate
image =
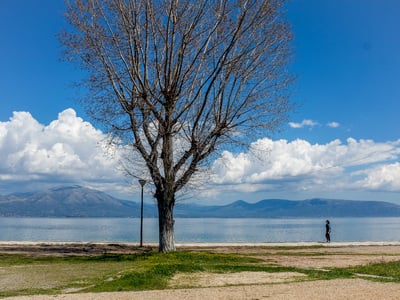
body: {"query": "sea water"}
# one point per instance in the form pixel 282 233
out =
pixel 207 230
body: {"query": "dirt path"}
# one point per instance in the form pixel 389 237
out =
pixel 352 289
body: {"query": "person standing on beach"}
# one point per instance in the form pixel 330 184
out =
pixel 328 231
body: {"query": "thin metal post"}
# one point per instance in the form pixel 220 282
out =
pixel 142 183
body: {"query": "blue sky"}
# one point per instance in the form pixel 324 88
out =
pixel 343 141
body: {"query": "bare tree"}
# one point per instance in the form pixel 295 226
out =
pixel 179 79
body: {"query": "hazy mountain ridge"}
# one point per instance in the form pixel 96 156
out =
pixel 77 201
pixel 70 201
pixel 279 208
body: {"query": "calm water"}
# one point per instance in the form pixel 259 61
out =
pixel 199 230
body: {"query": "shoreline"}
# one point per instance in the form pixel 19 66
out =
pixel 210 244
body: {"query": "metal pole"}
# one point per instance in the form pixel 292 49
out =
pixel 142 183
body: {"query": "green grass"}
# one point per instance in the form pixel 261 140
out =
pixel 157 269
pixel 388 271
pixel 23 275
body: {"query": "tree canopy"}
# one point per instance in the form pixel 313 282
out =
pixel 179 79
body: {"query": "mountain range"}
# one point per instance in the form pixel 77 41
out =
pixel 77 201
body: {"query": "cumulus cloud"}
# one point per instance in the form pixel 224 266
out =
pixel 299 165
pixel 384 177
pixel 71 151
pixel 304 123
pixel 68 150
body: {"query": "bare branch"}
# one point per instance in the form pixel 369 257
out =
pixel 179 80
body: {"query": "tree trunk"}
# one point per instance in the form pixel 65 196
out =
pixel 166 225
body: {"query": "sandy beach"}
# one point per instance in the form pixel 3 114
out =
pixel 250 285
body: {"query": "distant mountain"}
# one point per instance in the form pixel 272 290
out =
pixel 278 208
pixel 77 201
pixel 70 201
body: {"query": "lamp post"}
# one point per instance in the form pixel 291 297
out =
pixel 142 183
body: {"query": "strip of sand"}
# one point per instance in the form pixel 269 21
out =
pixel 228 244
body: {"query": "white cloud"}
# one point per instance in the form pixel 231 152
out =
pixel 384 177
pixel 299 165
pixel 68 150
pixel 333 124
pixel 304 123
pixel 311 123
pixel 71 151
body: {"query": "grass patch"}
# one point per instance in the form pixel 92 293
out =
pixel 388 271
pixel 329 274
pixel 158 269
pixel 25 275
